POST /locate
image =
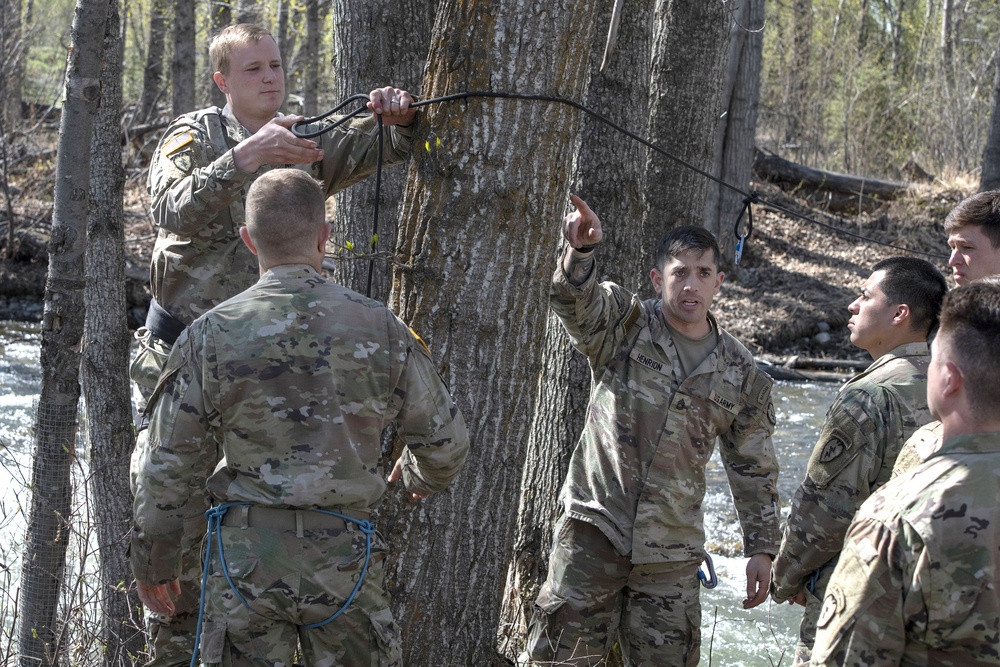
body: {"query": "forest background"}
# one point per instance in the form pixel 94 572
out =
pixel 901 94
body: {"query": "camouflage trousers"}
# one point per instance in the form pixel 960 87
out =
pixel 290 578
pixel 594 595
pixel 810 617
pixel 170 639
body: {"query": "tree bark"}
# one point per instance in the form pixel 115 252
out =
pixel 990 178
pixel 361 29
pixel 105 368
pixel 39 639
pixel 734 140
pixel 182 68
pixel 798 88
pixel 610 176
pixel 221 15
pixel 311 53
pixel 478 231
pixel 12 54
pixel 689 47
pixel 249 11
pixel 152 79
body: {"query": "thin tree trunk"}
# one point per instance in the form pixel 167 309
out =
pixel 361 29
pixel 734 142
pixel 311 47
pixel 481 215
pixel 105 368
pixel 799 124
pixel 610 177
pixel 152 81
pixel 39 639
pixel 12 54
pixel 182 68
pixel 221 15
pixel 689 47
pixel 990 179
pixel 249 11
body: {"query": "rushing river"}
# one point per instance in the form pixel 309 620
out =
pixel 731 636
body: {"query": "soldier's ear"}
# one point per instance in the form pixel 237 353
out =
pixel 220 81
pixel 324 236
pixel 245 235
pixel 902 314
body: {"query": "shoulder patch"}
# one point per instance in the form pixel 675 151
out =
pixel 176 142
pixel 832 448
pixel 421 341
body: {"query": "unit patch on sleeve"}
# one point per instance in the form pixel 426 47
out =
pixel 175 143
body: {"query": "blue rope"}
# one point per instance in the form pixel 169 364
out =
pixel 215 516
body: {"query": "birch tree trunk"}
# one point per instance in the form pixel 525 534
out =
pixel 182 98
pixel 990 179
pixel 737 127
pixel 610 176
pixel 105 368
pixel 478 233
pixel 362 29
pixel 62 329
pixel 689 47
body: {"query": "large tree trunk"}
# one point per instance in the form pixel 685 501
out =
pixel 478 234
pixel 105 368
pixel 990 179
pixel 734 140
pixel 182 98
pixel 152 78
pixel 689 47
pixel 44 555
pixel 610 176
pixel 361 29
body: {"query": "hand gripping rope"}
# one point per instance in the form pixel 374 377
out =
pixel 215 516
pixel 301 130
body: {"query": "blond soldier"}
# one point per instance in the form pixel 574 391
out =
pixel 274 403
pixel 973 229
pixel 197 181
pixel 916 582
pixel 872 416
pixel 668 381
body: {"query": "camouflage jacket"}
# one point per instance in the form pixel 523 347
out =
pixel 917 581
pixel 279 397
pixel 873 415
pixel 921 446
pixel 198 196
pixel 638 471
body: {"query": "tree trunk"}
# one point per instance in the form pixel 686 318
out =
pixel 689 48
pixel 311 48
pixel 361 29
pixel 734 140
pixel 62 328
pixel 798 94
pixel 105 368
pixel 610 177
pixel 990 179
pixel 182 99
pixel 221 16
pixel 12 56
pixel 478 234
pixel 152 80
pixel 249 11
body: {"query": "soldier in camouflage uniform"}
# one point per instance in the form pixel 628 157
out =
pixel 275 401
pixel 667 381
pixel 198 179
pixel 865 427
pixel 916 583
pixel 973 229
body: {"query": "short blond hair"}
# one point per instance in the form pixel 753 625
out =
pixel 231 37
pixel 284 210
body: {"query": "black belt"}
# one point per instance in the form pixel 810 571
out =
pixel 162 324
pixel 281 518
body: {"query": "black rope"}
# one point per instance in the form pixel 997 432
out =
pixel 749 197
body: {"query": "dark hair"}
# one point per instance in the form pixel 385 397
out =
pixel 980 210
pixel 683 238
pixel 970 323
pixel 284 209
pixel 918 284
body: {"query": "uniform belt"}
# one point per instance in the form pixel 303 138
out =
pixel 283 518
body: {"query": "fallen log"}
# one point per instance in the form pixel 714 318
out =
pixel 837 191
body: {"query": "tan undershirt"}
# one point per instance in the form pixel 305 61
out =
pixel 693 351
